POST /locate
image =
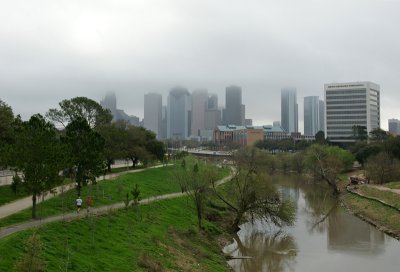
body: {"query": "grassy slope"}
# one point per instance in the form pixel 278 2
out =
pixel 388 197
pixel 7 195
pixel 374 212
pixel 151 182
pixel 370 210
pixel 115 242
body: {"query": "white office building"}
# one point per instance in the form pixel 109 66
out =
pixel 349 105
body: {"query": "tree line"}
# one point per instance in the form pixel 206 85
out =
pixel 83 146
pixel 379 154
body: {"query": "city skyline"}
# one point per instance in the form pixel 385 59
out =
pixel 59 50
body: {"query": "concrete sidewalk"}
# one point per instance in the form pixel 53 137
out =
pixel 5 231
pixel 26 202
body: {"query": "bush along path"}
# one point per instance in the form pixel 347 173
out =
pixel 26 202
pixel 5 231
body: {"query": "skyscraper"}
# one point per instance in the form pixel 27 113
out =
pixel 153 113
pixel 394 126
pixel 311 115
pixel 199 105
pixel 212 102
pixel 164 123
pixel 110 102
pixel 321 115
pixel 178 113
pixel 289 110
pixel 349 105
pixel 213 114
pixel 234 110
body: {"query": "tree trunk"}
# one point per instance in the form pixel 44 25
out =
pixel 109 166
pixel 34 206
pixel 133 162
pixel 235 224
pixel 78 188
pixel 199 215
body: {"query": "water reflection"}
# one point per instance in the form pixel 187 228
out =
pixel 349 234
pixel 325 237
pixel 273 250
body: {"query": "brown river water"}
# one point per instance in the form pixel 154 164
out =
pixel 325 238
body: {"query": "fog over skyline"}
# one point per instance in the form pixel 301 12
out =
pixel 54 50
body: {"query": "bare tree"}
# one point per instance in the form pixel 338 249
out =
pixel 251 192
pixel 382 168
pixel 196 183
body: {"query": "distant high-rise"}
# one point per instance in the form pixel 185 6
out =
pixel 394 126
pixel 153 113
pixel 213 114
pixel 110 102
pixel 164 123
pixel 311 115
pixel 234 110
pixel 179 113
pixel 276 124
pixel 212 102
pixel 248 122
pixel 199 105
pixel 289 110
pixel 321 115
pixel 348 105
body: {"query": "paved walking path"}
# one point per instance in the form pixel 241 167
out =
pixel 26 202
pixel 92 212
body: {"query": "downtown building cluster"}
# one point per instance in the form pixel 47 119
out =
pixel 197 115
pixel 192 115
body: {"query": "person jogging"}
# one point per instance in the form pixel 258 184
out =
pixel 79 203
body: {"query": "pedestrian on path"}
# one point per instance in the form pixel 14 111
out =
pixel 79 203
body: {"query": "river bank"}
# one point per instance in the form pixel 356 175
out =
pixel 377 207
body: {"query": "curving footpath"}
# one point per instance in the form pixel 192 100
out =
pixel 91 212
pixel 26 202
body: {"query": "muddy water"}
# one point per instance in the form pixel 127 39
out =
pixel 325 238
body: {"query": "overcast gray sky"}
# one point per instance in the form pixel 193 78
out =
pixel 52 50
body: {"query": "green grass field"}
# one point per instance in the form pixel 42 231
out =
pixel 7 195
pixel 151 182
pixel 388 197
pixel 158 237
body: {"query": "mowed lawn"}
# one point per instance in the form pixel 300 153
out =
pixel 150 182
pixel 161 235
pixel 7 195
